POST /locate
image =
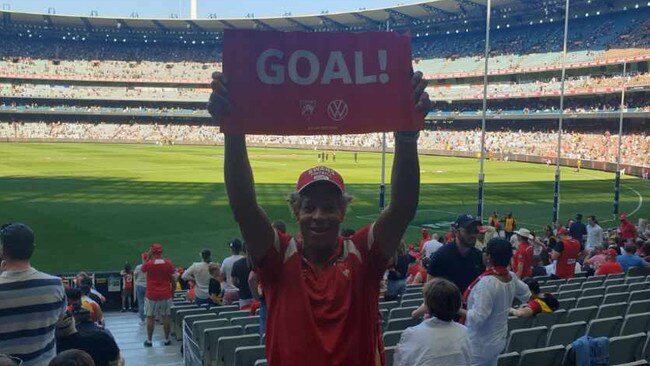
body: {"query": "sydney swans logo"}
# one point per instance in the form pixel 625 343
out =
pixel 307 108
pixel 337 110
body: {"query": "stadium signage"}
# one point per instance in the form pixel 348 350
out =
pixel 296 83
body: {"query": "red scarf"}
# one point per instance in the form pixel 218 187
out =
pixel 496 271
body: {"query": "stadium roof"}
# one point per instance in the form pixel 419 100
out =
pixel 435 11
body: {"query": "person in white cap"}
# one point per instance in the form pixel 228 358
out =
pixel 323 287
pixel 522 261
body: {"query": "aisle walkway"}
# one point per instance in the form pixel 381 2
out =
pixel 130 337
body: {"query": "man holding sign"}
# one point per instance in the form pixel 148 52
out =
pixel 322 291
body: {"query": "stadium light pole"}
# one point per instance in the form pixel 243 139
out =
pixel 481 174
pixel 556 188
pixel 617 179
pixel 382 184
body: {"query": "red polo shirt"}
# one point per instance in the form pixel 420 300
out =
pixel 524 254
pixel 325 319
pixel 159 285
pixel 609 267
pixel 566 262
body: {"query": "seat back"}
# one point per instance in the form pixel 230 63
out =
pixel 226 347
pixel 639 295
pixel 593 291
pixel 597 279
pixel 589 301
pixel 402 323
pixel 614 298
pixel 392 338
pixel 388 305
pixel 626 348
pixel 542 356
pixel 587 285
pixel 248 355
pixel 411 303
pixel 610 310
pixel 261 363
pixel 634 279
pixel 521 339
pixel 638 286
pixel 189 321
pixel 508 359
pixel 615 275
pixel 549 319
pixel 234 314
pixel 569 294
pixel 555 282
pixel 413 296
pixel 398 313
pixel 567 304
pixel 515 322
pixel 177 320
pixel 638 307
pixel 635 323
pixel 199 327
pixel 578 280
pixel 222 309
pixel 211 340
pixel 564 334
pixel 613 282
pixel 616 289
pixel 581 314
pixel 569 287
pixel 606 327
pixel 245 320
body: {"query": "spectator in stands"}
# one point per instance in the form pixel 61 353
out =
pixel 494 221
pixel 538 302
pixel 235 246
pixel 72 357
pixel 31 302
pixel 99 345
pixel 594 234
pixel 426 236
pixel 645 251
pixel 522 261
pixel 397 274
pixel 240 272
pixel 610 265
pixel 627 230
pixel 430 246
pixel 127 288
pixel 214 288
pixel 538 268
pixel 550 239
pixel 595 259
pixel 509 225
pixel 417 273
pixel 437 340
pixel 200 274
pixel 565 254
pixel 577 229
pixel 488 300
pixel 319 282
pixel 83 278
pixel 487 234
pixel 629 258
pixel 141 286
pixel 160 279
pixel 75 307
pixel 96 312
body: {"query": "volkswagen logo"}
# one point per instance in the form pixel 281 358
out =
pixel 337 110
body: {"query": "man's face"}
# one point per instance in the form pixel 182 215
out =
pixel 320 215
pixel 467 236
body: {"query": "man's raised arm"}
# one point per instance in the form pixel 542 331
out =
pixel 405 179
pixel 253 223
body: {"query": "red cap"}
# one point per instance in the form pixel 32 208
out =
pixel 156 248
pixel 562 230
pixel 622 216
pixel 318 174
pixel 611 252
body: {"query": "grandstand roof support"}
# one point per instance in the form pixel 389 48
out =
pixel 48 20
pixel 368 20
pixel 436 11
pixel 260 24
pixel 329 21
pixel 159 24
pixel 399 14
pixel 227 24
pixel 300 25
pixel 87 23
pixel 195 26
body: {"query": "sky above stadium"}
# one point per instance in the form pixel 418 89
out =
pixel 222 8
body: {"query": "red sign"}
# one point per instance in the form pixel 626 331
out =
pixel 295 83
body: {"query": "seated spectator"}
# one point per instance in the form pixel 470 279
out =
pixel 538 268
pixel 629 259
pixel 417 273
pixel 72 357
pixel 93 307
pixel 437 340
pixel 645 251
pixel 538 303
pixel 488 300
pixel 214 288
pixel 84 279
pixel 430 246
pixel 610 265
pixel 99 345
pixel 397 274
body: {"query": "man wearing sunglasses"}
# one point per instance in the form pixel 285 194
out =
pixel 31 302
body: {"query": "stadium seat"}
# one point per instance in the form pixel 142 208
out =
pixel 199 327
pixel 593 291
pixel 615 276
pixel 626 348
pixel 401 324
pixel 564 334
pixel 177 321
pixel 614 298
pixel 555 282
pixel 634 279
pixel 211 339
pixel 412 291
pixel 383 314
pixel 638 271
pixel 515 322
pixel 522 339
pixel 252 329
pixel 508 359
pixel 614 281
pixel 547 356
pixel 639 286
pixel 548 289
pixel 388 305
pixel 615 289
pixel 589 301
pixel 646 348
pixel 639 295
pixel 567 304
pixel 246 320
pixel 578 280
pixel 189 321
pixel 606 327
pixel 389 353
pixel 596 279
pixel 570 294
pixel 634 363
pixel 248 355
pixel 392 338
pixel 635 323
pixel 412 296
pixel 569 287
pixel 261 362
pixel 549 319
pixel 226 347
pixel 222 309
pixel 581 314
pixel 410 303
pixel 638 307
pixel 610 310
pixel 593 284
pixel 234 314
pixel 398 313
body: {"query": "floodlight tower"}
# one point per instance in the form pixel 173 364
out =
pixel 193 8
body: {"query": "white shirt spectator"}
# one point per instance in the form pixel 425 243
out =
pixel 594 236
pixel 140 277
pixel 433 342
pixel 199 271
pixel 226 266
pixel 431 246
pixel 487 316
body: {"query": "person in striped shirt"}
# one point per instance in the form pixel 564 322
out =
pixel 31 302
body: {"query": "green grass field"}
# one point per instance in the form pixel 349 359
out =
pixel 97 206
